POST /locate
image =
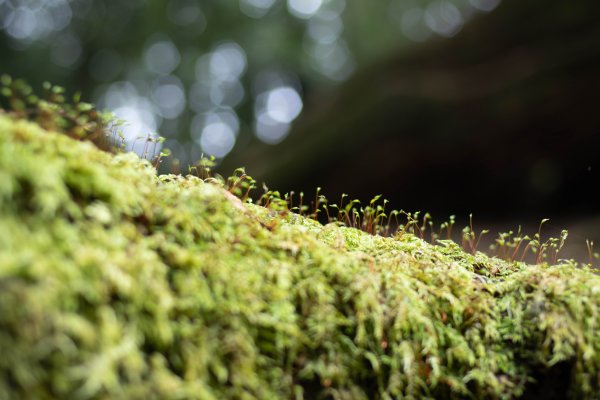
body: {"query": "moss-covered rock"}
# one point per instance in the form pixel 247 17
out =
pixel 118 284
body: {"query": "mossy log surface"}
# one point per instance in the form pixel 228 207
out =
pixel 116 283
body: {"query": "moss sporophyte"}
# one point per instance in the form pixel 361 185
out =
pixel 118 283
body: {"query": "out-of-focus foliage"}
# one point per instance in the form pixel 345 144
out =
pixel 449 125
pixel 211 76
pixel 116 283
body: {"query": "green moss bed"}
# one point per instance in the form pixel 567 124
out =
pixel 116 283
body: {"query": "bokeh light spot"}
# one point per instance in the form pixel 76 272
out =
pixel 283 104
pixel 228 61
pixel 217 139
pixel 139 120
pixel 32 20
pixel 20 23
pixel 325 31
pixel 304 8
pixel 413 25
pixel 162 57
pixel 444 18
pixel 331 9
pixel 275 109
pixel 216 131
pixel 137 112
pixel 228 94
pixel 169 97
pixel 256 8
pixel 270 131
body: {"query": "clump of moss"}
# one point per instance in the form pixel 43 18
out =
pixel 117 283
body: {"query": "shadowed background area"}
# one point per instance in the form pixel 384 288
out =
pixel 446 106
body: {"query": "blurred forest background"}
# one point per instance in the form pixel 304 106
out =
pixel 448 106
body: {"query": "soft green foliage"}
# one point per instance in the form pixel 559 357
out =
pixel 118 284
pixel 52 111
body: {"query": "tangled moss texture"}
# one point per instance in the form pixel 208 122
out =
pixel 118 284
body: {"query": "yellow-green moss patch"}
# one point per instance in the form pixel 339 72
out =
pixel 118 284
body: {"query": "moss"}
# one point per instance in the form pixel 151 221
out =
pixel 116 283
